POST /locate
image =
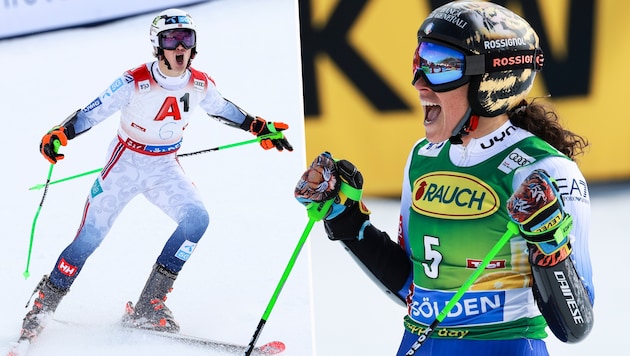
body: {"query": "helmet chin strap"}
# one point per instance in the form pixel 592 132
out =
pixel 168 65
pixel 467 124
pixel 160 56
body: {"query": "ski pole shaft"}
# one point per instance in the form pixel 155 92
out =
pixel 316 212
pixel 40 186
pixel 271 136
pixel 512 229
pixel 26 272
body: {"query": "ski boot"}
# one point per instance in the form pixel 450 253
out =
pixel 48 298
pixel 150 312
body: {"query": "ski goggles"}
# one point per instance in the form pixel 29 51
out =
pixel 444 67
pixel 170 39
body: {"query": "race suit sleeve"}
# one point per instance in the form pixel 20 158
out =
pixel 574 191
pixel 111 100
pixel 386 262
pixel 403 231
pixel 381 258
pixel 221 109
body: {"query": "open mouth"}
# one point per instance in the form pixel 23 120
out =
pixel 431 112
pixel 179 59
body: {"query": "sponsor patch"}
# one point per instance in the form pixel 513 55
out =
pixel 515 159
pixel 453 195
pixel 432 149
pixel 96 188
pixel 199 85
pixel 136 126
pixel 144 86
pixel 504 42
pixel 494 264
pixel 185 250
pixel 67 269
pixel 93 105
pixel 474 308
pixel 116 85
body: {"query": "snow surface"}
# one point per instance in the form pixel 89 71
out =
pixel 328 307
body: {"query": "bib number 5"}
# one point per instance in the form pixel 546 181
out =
pixel 432 257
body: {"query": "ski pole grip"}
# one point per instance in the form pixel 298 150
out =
pixel 317 211
pixel 274 135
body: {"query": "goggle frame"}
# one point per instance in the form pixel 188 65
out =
pixel 475 64
pixel 188 41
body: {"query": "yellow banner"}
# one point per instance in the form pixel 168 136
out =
pixel 360 105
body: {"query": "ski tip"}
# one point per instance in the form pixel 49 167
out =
pixel 272 348
pixel 18 348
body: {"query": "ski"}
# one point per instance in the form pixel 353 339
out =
pixel 19 348
pixel 270 348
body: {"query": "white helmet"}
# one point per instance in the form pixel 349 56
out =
pixel 168 20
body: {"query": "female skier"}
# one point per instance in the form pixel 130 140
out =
pixel 490 159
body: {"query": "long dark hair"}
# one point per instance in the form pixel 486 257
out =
pixel 542 121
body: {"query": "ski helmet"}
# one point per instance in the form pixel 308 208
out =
pixel 171 19
pixel 501 52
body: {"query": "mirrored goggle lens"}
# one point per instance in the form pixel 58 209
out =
pixel 172 38
pixel 438 64
pixel 173 20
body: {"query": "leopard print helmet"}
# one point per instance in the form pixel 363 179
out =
pixel 502 49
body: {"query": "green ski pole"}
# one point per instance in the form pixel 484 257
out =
pixel 316 212
pixel 512 230
pixel 40 186
pixel 26 273
pixel 271 136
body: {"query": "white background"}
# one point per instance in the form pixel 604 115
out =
pixel 251 49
